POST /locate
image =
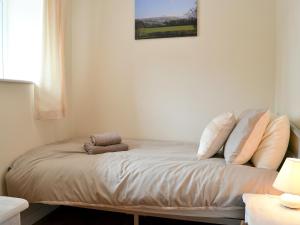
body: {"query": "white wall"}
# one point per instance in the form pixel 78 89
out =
pixel 19 130
pixel 169 88
pixel 288 59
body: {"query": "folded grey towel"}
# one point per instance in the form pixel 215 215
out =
pixel 92 149
pixel 106 139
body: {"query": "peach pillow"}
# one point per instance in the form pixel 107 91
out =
pixel 274 144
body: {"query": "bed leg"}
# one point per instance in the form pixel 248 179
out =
pixel 136 219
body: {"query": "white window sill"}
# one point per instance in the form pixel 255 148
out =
pixel 16 81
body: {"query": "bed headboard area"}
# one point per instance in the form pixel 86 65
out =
pixel 294 146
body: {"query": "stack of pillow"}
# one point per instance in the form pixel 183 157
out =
pixel 257 136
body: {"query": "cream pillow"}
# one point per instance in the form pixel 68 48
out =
pixel 246 136
pixel 215 135
pixel 274 144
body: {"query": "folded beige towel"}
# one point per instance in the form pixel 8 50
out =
pixel 92 149
pixel 106 139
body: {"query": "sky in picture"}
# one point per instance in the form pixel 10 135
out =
pixel 158 8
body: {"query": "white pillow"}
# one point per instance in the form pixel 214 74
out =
pixel 215 135
pixel 246 136
pixel 273 147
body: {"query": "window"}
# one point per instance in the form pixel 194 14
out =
pixel 21 35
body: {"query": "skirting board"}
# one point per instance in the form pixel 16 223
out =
pixel 35 212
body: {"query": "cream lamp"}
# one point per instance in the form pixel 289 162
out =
pixel 288 181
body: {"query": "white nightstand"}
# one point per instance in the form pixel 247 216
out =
pixel 266 210
pixel 10 209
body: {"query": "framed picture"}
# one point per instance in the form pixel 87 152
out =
pixel 165 18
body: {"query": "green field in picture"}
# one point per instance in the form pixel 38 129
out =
pixel 171 31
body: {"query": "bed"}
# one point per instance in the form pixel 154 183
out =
pixel 153 178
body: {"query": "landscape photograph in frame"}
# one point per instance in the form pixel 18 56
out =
pixel 165 18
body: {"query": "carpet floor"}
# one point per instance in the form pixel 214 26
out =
pixel 78 216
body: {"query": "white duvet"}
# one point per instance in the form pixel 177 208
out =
pixel 151 174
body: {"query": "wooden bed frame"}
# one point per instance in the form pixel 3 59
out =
pixel 294 151
pixel 294 147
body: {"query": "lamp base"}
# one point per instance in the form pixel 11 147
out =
pixel 290 201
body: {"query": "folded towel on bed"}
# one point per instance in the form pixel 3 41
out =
pixel 106 139
pixel 92 149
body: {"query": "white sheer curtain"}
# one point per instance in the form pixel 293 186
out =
pixel 50 88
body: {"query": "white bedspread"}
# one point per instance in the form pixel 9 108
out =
pixel 151 174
